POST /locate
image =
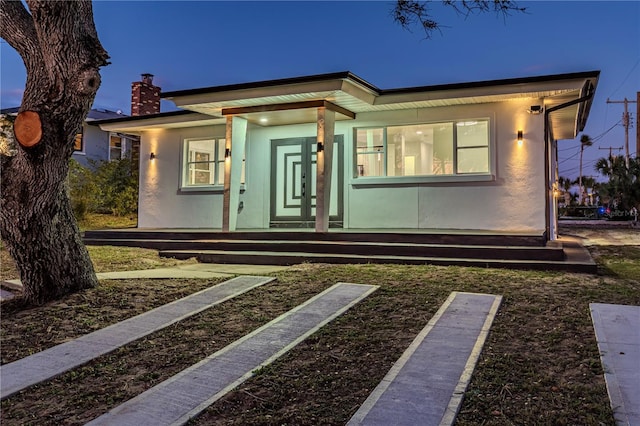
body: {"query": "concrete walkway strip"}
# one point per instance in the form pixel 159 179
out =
pixel 426 385
pixel 617 329
pixel 185 395
pixel 54 361
pixel 160 273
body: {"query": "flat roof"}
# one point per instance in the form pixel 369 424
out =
pixel 351 76
pixel 272 102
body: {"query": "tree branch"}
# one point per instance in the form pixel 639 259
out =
pixel 409 13
pixel 17 27
pixel 65 26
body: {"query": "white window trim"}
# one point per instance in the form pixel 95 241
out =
pixel 122 147
pixel 203 188
pixel 490 176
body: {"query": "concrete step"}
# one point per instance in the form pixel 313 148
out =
pixel 578 263
pixel 551 252
pixel 451 237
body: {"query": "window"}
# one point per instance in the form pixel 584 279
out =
pixel 449 148
pixel 472 146
pixel 115 147
pixel 78 146
pixel 204 162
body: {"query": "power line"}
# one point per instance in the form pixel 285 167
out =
pixel 567 149
pixel 611 149
pixel 627 77
pixel 601 135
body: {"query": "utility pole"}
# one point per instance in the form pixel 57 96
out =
pixel 611 149
pixel 626 122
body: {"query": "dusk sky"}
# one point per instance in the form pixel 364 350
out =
pixel 208 43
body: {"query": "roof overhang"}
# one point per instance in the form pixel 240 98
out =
pixel 568 113
pixel 168 120
pixel 295 100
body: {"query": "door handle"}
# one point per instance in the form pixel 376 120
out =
pixel 303 186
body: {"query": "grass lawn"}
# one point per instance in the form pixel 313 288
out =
pixel 540 364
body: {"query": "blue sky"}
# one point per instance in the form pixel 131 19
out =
pixel 208 43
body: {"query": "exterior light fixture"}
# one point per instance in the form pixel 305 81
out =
pixel 152 156
pixel 263 120
pixel 520 137
pixel 227 152
pixel 320 147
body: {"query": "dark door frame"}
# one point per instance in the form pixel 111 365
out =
pixel 306 220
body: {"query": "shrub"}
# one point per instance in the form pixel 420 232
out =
pixel 111 187
pixel 83 191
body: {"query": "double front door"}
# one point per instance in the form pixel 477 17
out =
pixel 293 182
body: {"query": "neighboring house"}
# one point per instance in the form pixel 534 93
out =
pixel 334 150
pixel 94 145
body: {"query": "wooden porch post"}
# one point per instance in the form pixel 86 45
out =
pixel 326 130
pixel 236 137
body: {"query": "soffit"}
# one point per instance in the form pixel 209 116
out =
pixel 563 122
pixel 359 99
pixel 166 122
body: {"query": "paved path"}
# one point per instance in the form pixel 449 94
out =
pixel 426 385
pixel 618 334
pixel 186 394
pixel 196 270
pixel 54 361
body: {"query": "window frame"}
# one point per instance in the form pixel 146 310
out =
pixel 81 150
pixel 122 145
pixel 358 180
pixel 217 163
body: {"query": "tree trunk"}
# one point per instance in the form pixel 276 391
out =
pixel 62 54
pixel 580 178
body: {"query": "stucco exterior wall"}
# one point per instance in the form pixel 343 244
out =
pixel 512 199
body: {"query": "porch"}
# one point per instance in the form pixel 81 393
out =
pixel 286 246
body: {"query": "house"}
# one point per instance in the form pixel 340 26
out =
pixel 333 150
pixel 93 145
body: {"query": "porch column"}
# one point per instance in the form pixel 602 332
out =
pixel 326 130
pixel 235 142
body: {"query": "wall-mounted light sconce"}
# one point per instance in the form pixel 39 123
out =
pixel 520 137
pixel 535 109
pixel 227 153
pixel 152 156
pixel 320 147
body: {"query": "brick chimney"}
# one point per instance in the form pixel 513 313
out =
pixel 145 97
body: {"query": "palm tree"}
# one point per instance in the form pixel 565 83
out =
pixel 589 186
pixel 565 184
pixel 623 186
pixel 585 140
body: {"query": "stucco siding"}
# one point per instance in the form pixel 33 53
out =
pixel 511 198
pixel 512 201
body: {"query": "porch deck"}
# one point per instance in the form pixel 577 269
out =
pixel 516 250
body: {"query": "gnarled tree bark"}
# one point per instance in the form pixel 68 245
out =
pixel 59 45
